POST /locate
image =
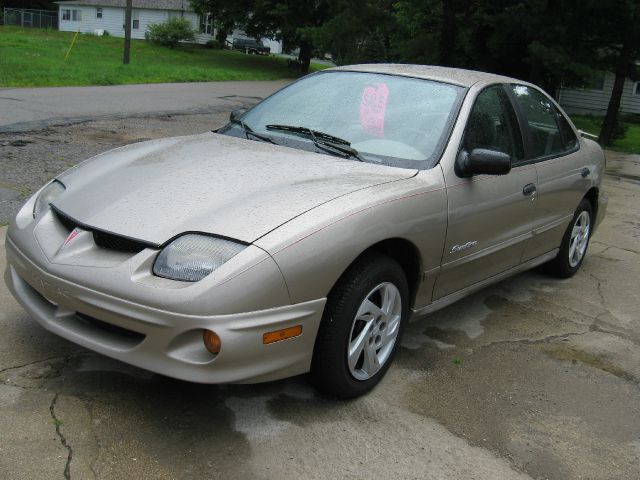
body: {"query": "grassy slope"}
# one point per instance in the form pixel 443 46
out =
pixel 35 58
pixel 629 144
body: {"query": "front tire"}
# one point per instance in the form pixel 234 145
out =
pixel 361 327
pixel 574 243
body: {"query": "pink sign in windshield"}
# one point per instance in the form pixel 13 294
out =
pixel 372 109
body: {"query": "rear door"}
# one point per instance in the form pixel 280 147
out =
pixel 552 147
pixel 489 215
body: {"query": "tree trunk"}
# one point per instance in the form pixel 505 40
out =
pixel 448 34
pixel 609 124
pixel 623 69
pixel 304 57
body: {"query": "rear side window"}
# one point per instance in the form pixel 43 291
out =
pixel 549 132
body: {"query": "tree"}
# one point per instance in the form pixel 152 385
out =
pixel 291 21
pixel 355 31
pixel 34 4
pixel 625 53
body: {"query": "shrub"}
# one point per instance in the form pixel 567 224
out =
pixel 213 44
pixel 619 129
pixel 171 32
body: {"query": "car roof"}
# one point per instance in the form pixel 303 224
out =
pixel 456 76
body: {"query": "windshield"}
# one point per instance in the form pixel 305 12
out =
pixel 393 120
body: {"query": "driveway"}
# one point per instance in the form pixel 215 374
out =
pixel 531 378
pixel 25 109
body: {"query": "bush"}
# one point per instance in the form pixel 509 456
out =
pixel 171 32
pixel 619 130
pixel 213 44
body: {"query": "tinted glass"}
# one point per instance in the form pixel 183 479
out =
pixel 568 137
pixel 493 124
pixel 393 120
pixel 542 118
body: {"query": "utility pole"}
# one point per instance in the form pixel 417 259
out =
pixel 127 31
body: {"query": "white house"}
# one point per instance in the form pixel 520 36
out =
pixel 593 99
pixel 93 16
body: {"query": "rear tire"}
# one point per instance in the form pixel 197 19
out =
pixel 574 244
pixel 361 327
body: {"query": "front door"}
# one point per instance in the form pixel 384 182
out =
pixel 490 216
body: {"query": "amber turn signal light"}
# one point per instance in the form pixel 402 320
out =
pixel 212 341
pixel 290 332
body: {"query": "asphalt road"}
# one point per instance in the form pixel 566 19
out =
pixel 26 109
pixel 531 378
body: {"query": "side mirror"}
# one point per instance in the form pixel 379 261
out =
pixel 236 114
pixel 482 161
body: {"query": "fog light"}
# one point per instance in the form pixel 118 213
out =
pixel 212 341
pixel 271 337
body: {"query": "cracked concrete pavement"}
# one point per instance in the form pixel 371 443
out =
pixel 531 378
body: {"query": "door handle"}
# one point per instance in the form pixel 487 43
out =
pixel 585 172
pixel 529 189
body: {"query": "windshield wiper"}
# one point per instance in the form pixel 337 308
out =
pixel 324 141
pixel 249 131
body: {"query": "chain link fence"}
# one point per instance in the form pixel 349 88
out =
pixel 28 18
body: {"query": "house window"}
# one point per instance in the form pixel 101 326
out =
pixel 206 24
pixel 135 19
pixel 66 14
pixel 76 15
pixel 99 12
pixel 636 88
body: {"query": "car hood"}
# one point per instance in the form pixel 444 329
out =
pixel 153 191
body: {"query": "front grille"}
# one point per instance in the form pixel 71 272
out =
pixel 116 242
pixel 103 239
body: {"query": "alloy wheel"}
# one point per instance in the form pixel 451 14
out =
pixel 374 331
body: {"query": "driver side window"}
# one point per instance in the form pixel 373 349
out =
pixel 493 125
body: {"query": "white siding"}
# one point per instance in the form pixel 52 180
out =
pixel 84 25
pixel 276 45
pixel 112 21
pixel 201 38
pixel 595 102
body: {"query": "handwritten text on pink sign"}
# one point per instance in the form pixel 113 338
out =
pixel 372 109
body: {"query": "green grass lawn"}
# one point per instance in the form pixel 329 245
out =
pixel 629 144
pixel 35 58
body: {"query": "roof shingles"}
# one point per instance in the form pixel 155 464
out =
pixel 149 4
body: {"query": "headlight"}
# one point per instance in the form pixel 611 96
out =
pixel 192 257
pixel 47 195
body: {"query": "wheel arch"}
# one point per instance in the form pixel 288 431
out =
pixel 592 197
pixel 404 252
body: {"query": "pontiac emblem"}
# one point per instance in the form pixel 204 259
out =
pixel 71 236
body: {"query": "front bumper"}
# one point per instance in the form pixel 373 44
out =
pixel 160 340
